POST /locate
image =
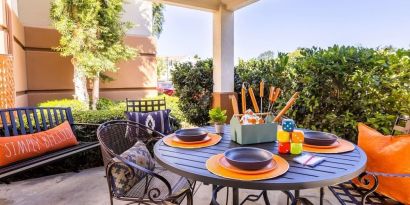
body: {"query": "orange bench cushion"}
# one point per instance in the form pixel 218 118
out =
pixel 16 148
pixel 387 154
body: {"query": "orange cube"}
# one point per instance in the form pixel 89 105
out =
pixel 297 136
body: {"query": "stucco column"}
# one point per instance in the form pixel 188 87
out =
pixel 223 58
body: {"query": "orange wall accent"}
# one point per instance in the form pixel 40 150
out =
pixel 18 29
pixel 137 73
pixel 19 64
pixel 42 74
pixel 41 37
pixel 50 75
pixel 48 71
pixel 19 61
pixel 48 38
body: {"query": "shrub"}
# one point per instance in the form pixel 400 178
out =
pixel 217 115
pixel 274 71
pixel 341 86
pixel 105 104
pixel 74 104
pixel 193 84
pixel 98 116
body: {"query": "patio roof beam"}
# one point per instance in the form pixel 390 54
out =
pixel 233 5
pixel 209 5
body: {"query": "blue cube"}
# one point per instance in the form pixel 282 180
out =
pixel 288 125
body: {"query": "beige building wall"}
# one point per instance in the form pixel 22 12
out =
pixel 41 74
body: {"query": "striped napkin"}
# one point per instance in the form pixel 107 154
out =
pixel 309 160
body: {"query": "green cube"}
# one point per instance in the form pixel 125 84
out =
pixel 296 148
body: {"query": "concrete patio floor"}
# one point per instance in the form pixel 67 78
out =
pixel 89 187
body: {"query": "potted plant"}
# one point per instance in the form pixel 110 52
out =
pixel 218 118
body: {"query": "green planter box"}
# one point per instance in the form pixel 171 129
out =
pixel 252 134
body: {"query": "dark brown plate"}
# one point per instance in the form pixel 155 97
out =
pixel 319 138
pixel 248 158
pixel 191 135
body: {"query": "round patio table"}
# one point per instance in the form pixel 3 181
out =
pixel 190 163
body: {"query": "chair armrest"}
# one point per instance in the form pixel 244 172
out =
pixel 383 174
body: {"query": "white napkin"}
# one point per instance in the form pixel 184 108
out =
pixel 309 160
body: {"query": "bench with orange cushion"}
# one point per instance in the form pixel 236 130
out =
pixel 47 135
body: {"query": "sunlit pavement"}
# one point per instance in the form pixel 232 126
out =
pixel 89 187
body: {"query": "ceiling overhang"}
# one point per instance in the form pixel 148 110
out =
pixel 209 5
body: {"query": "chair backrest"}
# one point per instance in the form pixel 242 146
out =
pixel 29 120
pixel 118 136
pixel 145 105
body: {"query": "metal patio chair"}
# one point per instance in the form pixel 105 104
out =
pixel 348 193
pixel 151 106
pixel 156 186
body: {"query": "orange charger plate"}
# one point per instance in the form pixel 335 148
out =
pixel 212 164
pixel 177 140
pixel 169 140
pixel 225 164
pixel 344 146
pixel 335 144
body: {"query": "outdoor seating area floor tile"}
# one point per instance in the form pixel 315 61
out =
pixel 89 187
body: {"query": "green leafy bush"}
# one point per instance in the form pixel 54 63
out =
pixel 193 83
pixel 217 115
pixel 339 86
pixel 74 104
pixel 105 104
pixel 98 116
pixel 274 71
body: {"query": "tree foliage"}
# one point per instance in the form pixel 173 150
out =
pixel 266 55
pixel 92 33
pixel 158 18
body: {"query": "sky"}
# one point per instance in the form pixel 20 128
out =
pixel 285 25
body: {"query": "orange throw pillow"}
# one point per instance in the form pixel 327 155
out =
pixel 387 154
pixel 16 148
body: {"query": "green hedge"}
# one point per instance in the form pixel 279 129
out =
pixel 73 104
pixel 193 83
pixel 339 86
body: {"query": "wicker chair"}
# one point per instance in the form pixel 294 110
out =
pixel 157 186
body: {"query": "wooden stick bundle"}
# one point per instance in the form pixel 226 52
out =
pixel 254 103
pixel 234 104
pixel 287 106
pixel 243 98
